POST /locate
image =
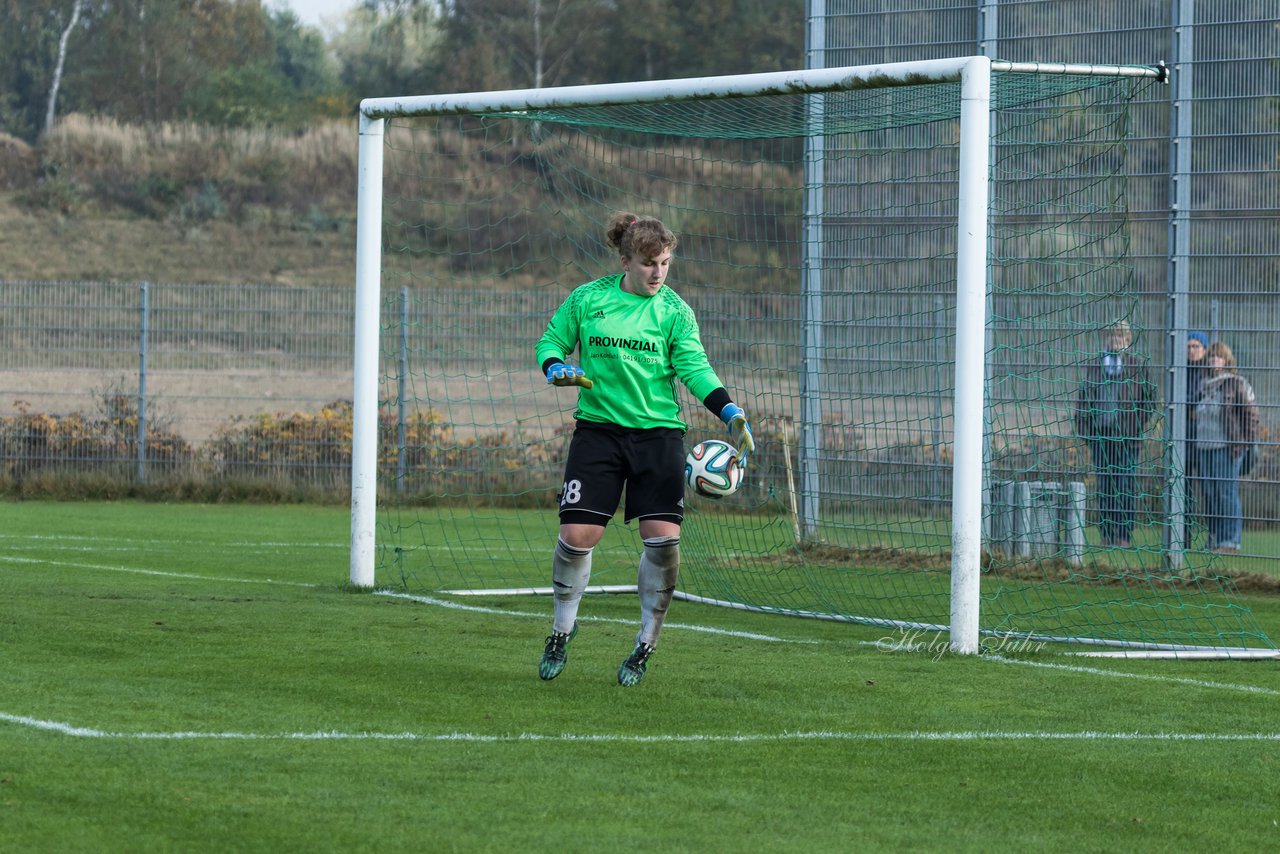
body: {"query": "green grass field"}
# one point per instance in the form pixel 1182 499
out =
pixel 188 677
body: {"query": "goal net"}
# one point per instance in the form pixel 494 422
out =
pixel 818 227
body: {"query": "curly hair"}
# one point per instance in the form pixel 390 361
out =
pixel 638 237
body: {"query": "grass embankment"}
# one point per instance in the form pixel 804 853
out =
pixel 187 203
pixel 98 200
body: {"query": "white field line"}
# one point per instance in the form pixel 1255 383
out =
pixel 42 539
pixel 478 609
pixel 1099 671
pixel 136 571
pixel 618 738
pixel 41 542
pixel 14 542
pixel 150 549
pixel 887 644
pixel 151 546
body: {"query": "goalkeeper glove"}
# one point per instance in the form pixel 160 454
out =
pixel 561 374
pixel 739 430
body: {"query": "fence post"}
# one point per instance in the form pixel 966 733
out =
pixel 1182 134
pixel 143 311
pixel 989 46
pixel 988 28
pixel 400 394
pixel 940 329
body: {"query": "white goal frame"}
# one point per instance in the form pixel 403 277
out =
pixel 974 75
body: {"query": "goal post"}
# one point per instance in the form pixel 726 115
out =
pixel 367 349
pixel 789 190
pixel 975 76
pixel 971 296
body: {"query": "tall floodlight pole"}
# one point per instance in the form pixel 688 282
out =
pixel 813 264
pixel 1179 280
pixel 988 46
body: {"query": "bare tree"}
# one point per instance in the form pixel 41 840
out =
pixel 51 107
pixel 556 35
pixel 526 42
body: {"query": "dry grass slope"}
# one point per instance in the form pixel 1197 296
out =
pixel 99 200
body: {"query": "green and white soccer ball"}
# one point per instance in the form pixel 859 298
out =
pixel 714 468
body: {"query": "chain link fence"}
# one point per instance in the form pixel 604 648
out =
pixel 171 380
pixel 1203 178
pixel 149 380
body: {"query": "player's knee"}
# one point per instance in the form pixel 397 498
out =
pixel 662 550
pixel 569 551
pixel 580 536
pixel 664 554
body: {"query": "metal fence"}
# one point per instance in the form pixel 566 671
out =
pixel 153 376
pixel 161 376
pixel 1203 177
pixel 144 381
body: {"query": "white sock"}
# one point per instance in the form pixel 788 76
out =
pixel 570 571
pixel 656 579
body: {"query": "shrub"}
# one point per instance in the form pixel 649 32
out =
pixel 315 449
pixel 32 443
pixel 19 165
pixel 299 446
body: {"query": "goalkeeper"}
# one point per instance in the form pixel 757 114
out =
pixel 635 338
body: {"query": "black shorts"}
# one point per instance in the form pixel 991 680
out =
pixel 603 458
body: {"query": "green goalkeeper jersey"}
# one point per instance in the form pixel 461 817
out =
pixel 633 348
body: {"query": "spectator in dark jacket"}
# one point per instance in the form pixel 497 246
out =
pixel 1226 418
pixel 1113 407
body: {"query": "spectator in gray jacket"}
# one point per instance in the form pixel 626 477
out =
pixel 1226 419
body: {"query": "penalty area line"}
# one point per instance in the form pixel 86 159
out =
pixel 66 729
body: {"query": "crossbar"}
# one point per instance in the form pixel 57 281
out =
pixel 801 82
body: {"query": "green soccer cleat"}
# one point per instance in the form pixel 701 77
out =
pixel 556 653
pixel 632 670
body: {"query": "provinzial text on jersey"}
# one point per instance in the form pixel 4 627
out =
pixel 626 343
